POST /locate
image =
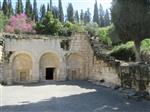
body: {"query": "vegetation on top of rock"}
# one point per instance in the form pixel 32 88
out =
pixel 19 24
pixel 131 21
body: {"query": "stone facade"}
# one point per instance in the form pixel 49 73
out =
pixel 31 58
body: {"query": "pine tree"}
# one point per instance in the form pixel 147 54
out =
pixel 5 7
pixel 87 16
pixel 35 11
pixel 61 14
pixel 19 7
pixel 42 11
pixel 107 18
pixel 51 5
pixel 70 14
pixel 76 17
pixel 81 16
pixel 55 12
pixel 96 16
pixel 48 7
pixel 101 16
pixel 0 6
pixel 10 9
pixel 28 8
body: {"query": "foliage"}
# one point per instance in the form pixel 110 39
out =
pixel 87 16
pixel 70 13
pixel 92 29
pixel 3 21
pixel 55 12
pixel 145 46
pixel 5 7
pixel 104 35
pixel 114 35
pixel 131 20
pixel 69 27
pixel 61 14
pixel 35 11
pixel 101 16
pixel 28 8
pixel 96 15
pixel 124 52
pixel 42 12
pixel 19 7
pixel 19 24
pixel 76 17
pixel 49 25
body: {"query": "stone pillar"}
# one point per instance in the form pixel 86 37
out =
pixel 35 72
pixel 8 74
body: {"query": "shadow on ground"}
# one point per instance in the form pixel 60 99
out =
pixel 102 100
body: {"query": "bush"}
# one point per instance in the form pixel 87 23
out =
pixel 145 46
pixel 124 52
pixel 3 21
pixel 92 29
pixel 19 24
pixel 69 27
pixel 104 35
pixel 49 25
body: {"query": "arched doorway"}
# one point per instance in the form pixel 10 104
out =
pixel 75 67
pixel 22 68
pixel 49 66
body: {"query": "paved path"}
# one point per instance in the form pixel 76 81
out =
pixel 70 96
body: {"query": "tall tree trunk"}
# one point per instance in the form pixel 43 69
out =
pixel 137 51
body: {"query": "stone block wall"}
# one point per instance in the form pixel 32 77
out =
pixel 1 72
pixel 136 75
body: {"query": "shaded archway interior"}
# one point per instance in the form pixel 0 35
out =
pixel 22 68
pixel 75 67
pixel 49 66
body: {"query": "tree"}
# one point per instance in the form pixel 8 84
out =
pixel 49 25
pixel 96 15
pixel 42 11
pixel 61 14
pixel 28 8
pixel 76 17
pixel 0 6
pixel 35 11
pixel 70 13
pixel 81 16
pixel 51 5
pixel 101 16
pixel 48 7
pixel 10 9
pixel 87 16
pixel 19 7
pixel 131 21
pixel 5 8
pixel 19 24
pixel 3 21
pixel 107 20
pixel 55 12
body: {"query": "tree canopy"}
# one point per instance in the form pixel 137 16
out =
pixel 131 20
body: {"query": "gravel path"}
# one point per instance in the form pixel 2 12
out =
pixel 69 96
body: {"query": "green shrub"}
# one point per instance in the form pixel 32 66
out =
pixel 92 29
pixel 124 52
pixel 104 35
pixel 49 25
pixel 69 27
pixel 145 46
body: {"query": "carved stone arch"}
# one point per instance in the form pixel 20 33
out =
pixel 21 67
pixel 49 64
pixel 75 66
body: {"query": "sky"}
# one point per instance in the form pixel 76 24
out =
pixel 77 4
